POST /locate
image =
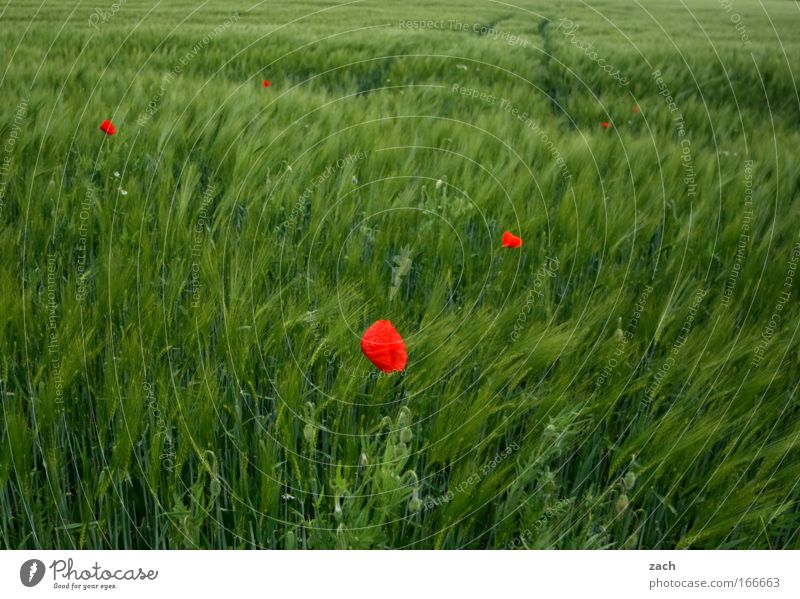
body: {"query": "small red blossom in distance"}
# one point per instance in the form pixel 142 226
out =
pixel 384 347
pixel 511 241
pixel 108 127
pixel 266 83
pixel 605 124
pixel 635 109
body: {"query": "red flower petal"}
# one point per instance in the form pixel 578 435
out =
pixel 108 127
pixel 604 124
pixel 384 347
pixel 511 241
pixel 266 83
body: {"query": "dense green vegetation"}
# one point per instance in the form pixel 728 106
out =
pixel 180 360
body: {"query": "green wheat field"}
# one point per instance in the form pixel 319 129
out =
pixel 183 301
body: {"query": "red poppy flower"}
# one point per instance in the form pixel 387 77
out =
pixel 108 127
pixel 511 241
pixel 384 346
pixel 605 125
pixel 635 109
pixel 266 83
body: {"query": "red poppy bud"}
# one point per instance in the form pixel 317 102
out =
pixel 605 125
pixel 384 347
pixel 266 83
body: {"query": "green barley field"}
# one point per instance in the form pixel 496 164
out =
pixel 183 301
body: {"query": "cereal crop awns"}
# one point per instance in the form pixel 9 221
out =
pixel 579 222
